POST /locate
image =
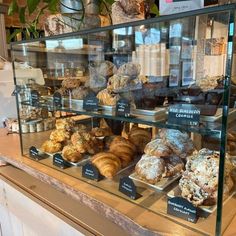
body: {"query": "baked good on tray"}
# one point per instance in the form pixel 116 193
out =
pixel 107 163
pixel 51 146
pixel 199 182
pixel 173 165
pixel 70 153
pixel 101 132
pixel 139 137
pixel 80 92
pixel 66 123
pixel 150 169
pixel 107 98
pixel 59 135
pixel 158 148
pixel 69 83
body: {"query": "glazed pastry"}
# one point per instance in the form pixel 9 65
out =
pixel 69 83
pixel 173 165
pixel 101 132
pixel 107 98
pixel 51 146
pixel 59 135
pixel 107 163
pixel 150 169
pixel 157 148
pixel 199 182
pixel 70 153
pixel 130 69
pixel 66 124
pixel 178 141
pixel 80 92
pixel 139 137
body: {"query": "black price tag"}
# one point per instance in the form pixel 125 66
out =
pixel 59 161
pixel 57 99
pixel 210 2
pixel 90 103
pixel 128 188
pixel 182 208
pixel 184 114
pixel 34 98
pixel 90 171
pixel 123 107
pixel 34 153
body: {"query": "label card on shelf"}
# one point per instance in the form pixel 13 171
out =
pixel 128 188
pixel 34 98
pixel 59 161
pixel 184 114
pixel 182 208
pixel 90 103
pixel 90 171
pixel 34 153
pixel 57 99
pixel 123 107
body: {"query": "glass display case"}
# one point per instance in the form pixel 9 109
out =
pixel 144 110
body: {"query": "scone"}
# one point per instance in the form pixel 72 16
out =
pixel 70 153
pixel 59 135
pixel 107 163
pixel 139 137
pixel 51 146
pixel 66 123
pixel 157 148
pixel 150 168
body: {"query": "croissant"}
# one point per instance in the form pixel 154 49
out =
pixel 70 153
pixel 107 163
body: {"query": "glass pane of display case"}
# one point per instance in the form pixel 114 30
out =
pixel 144 102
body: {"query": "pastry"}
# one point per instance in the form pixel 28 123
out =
pixel 157 148
pixel 117 82
pixel 150 168
pixel 59 135
pixel 173 165
pixel 63 91
pixel 107 163
pixel 139 137
pixel 231 136
pixel 178 141
pixel 70 153
pixel 130 69
pixel 69 83
pixel 108 140
pixel 199 182
pixel 108 98
pixel 106 69
pixel 51 146
pixel 66 124
pixel 80 92
pixel 101 132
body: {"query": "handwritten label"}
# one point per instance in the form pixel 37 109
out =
pixel 123 107
pixel 34 98
pixel 183 209
pixel 184 114
pixel 57 99
pixel 59 161
pixel 90 103
pixel 128 188
pixel 90 171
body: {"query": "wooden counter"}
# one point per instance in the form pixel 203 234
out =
pixel 135 220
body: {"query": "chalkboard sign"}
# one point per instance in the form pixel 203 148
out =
pixel 59 161
pixel 90 103
pixel 34 98
pixel 90 171
pixel 184 114
pixel 57 99
pixel 182 208
pixel 34 153
pixel 123 107
pixel 128 188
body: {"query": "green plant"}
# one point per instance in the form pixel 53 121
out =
pixel 29 15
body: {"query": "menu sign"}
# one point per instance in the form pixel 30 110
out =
pixel 59 161
pixel 90 103
pixel 123 107
pixel 90 171
pixel 184 114
pixel 34 98
pixel 183 209
pixel 128 188
pixel 57 99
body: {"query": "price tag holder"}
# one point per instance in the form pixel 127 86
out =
pixel 90 103
pixel 90 171
pixel 128 188
pixel 59 161
pixel 34 98
pixel 182 208
pixel 123 107
pixel 184 114
pixel 34 153
pixel 57 99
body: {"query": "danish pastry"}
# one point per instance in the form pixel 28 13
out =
pixel 70 153
pixel 51 146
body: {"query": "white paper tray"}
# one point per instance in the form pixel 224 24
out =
pixel 161 185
